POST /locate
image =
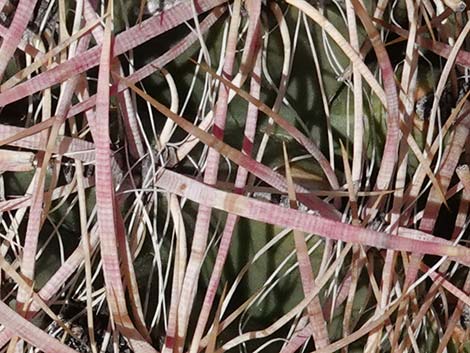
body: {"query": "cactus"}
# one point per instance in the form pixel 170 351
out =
pixel 253 176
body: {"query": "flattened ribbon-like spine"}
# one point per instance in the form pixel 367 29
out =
pixel 105 201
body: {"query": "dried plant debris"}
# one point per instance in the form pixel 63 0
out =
pixel 241 176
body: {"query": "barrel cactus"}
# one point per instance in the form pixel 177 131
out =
pixel 243 176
